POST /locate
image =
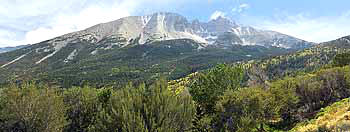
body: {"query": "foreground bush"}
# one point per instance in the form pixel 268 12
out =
pixel 30 108
pixel 154 108
pixel 83 106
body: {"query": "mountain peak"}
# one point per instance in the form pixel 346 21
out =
pixel 223 20
pixel 169 26
pixel 166 14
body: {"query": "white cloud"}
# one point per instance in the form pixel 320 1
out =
pixel 8 38
pixel 63 24
pixel 241 8
pixel 39 20
pixel 217 14
pixel 312 29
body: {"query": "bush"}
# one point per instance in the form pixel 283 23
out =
pixel 82 108
pixel 32 109
pixel 208 87
pixel 246 109
pixel 153 108
pixel 341 60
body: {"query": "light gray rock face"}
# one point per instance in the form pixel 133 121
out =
pixel 138 30
pixel 168 26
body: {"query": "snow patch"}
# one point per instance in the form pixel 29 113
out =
pixel 240 30
pixel 145 20
pixel 245 42
pixel 94 52
pixel 108 47
pixel 200 47
pixel 211 37
pixel 347 40
pixel 280 45
pixel 236 31
pixel 57 47
pixel 71 56
pixel 195 37
pixel 248 31
pixel 43 48
pixel 13 61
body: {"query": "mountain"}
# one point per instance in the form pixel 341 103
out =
pixel 139 48
pixel 8 49
pixel 170 26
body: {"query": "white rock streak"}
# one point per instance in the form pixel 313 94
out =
pixel 166 26
pixel 13 61
pixel 71 56
pixel 57 47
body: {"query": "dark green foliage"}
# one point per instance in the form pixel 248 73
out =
pixel 341 60
pixel 301 97
pixel 221 103
pixel 31 108
pixel 325 87
pixel 246 109
pixel 82 108
pixel 152 109
pixel 208 87
pixel 137 63
pixel 305 61
pixel 276 106
pixel 286 102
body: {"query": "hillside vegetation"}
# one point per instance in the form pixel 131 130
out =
pixel 335 117
pixel 216 100
pixel 285 93
pixel 138 63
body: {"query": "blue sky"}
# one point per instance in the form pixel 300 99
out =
pixel 32 21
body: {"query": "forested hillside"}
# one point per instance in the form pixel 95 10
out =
pixel 173 59
pixel 216 100
pixel 275 94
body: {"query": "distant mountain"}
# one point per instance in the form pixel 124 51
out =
pixel 139 48
pixel 170 26
pixel 8 49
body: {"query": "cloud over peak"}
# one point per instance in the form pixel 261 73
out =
pixel 217 14
pixel 242 7
pixel 33 21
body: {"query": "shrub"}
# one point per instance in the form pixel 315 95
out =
pixel 153 108
pixel 82 108
pixel 208 87
pixel 246 109
pixel 341 60
pixel 31 108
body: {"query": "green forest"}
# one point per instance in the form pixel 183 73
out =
pixel 218 99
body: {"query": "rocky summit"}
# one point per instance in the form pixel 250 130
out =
pixel 145 47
